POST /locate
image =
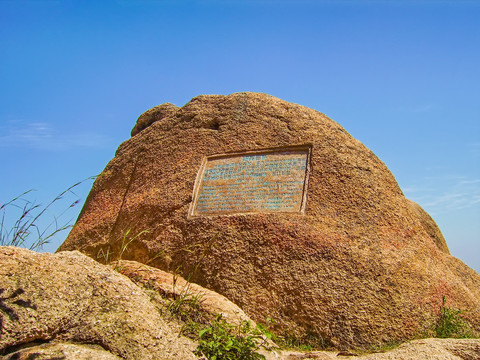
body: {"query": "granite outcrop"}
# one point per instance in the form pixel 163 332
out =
pixel 357 265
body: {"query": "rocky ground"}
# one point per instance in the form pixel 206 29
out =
pixel 68 306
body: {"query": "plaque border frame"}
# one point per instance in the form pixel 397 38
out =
pixel 305 147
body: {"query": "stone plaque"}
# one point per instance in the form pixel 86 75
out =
pixel 252 182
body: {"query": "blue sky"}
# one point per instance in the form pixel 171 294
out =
pixel 403 77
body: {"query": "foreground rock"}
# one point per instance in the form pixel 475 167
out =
pixel 441 349
pixel 62 351
pixel 431 349
pixel 171 286
pixel 70 297
pixel 69 307
pixel 356 265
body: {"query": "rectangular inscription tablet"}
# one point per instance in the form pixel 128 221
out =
pixel 252 182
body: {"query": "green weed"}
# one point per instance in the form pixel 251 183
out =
pixel 187 306
pixel 217 339
pixel 223 341
pixel 451 324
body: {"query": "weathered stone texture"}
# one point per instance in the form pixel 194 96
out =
pixel 61 351
pixel 173 286
pixel 430 226
pixel 154 114
pixel 360 267
pixel 70 297
pixel 424 349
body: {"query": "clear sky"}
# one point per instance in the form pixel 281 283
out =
pixel 401 76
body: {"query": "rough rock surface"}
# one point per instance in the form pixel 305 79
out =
pixel 62 351
pixel 424 349
pixel 172 286
pixel 359 267
pixel 27 331
pixel 152 115
pixel 70 297
pixel 430 226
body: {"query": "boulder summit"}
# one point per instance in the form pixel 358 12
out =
pixel 279 209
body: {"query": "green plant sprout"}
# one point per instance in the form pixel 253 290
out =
pixel 107 255
pixel 451 324
pixel 186 301
pixel 223 341
pixel 216 338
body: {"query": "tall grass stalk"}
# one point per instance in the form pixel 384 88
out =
pixel 186 300
pixel 25 230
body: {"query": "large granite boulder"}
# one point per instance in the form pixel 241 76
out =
pixel 278 208
pixel 65 300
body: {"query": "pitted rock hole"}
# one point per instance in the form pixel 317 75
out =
pixel 267 181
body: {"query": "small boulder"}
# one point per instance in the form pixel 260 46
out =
pixel 154 114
